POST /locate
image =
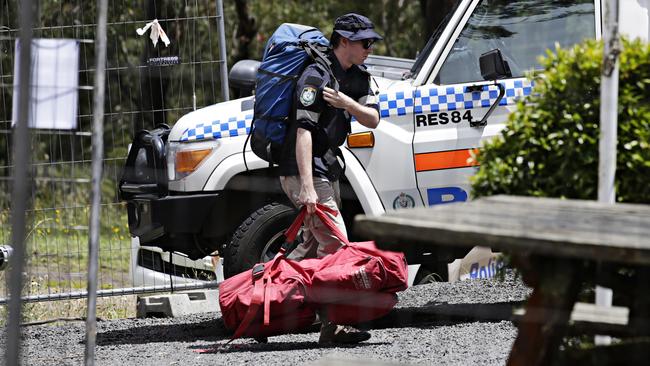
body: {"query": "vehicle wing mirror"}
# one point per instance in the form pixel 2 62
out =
pixel 493 67
pixel 242 76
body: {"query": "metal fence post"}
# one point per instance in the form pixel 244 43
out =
pixel 21 187
pixel 609 105
pixel 97 162
pixel 608 127
pixel 225 92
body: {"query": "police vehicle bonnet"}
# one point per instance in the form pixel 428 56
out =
pixel 355 27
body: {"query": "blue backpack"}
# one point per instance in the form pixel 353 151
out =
pixel 288 52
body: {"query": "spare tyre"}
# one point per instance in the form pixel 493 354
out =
pixel 258 238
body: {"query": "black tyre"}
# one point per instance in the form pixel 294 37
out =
pixel 432 272
pixel 258 238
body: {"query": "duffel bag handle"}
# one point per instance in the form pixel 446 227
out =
pixel 321 211
pixel 327 221
pixel 293 230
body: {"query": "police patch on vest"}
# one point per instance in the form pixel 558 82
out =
pixel 308 96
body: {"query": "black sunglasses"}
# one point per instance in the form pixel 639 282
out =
pixel 367 43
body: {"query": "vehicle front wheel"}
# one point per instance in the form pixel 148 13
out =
pixel 258 238
pixel 432 272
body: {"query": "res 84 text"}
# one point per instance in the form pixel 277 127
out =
pixel 442 118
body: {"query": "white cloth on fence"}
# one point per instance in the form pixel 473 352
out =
pixel 156 32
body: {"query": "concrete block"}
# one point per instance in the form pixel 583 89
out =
pixel 178 304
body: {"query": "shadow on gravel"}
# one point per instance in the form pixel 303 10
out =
pixel 212 330
pixel 276 346
pixel 435 313
pixel 431 314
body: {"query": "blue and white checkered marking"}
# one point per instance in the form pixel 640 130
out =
pixel 233 126
pixel 428 99
pixel 448 98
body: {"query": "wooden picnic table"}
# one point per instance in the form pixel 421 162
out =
pixel 559 246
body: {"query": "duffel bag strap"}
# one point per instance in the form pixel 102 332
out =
pixel 267 298
pixel 261 294
pixel 272 269
pixel 292 231
pixel 256 301
pixel 321 213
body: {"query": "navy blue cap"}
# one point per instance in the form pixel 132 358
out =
pixel 355 27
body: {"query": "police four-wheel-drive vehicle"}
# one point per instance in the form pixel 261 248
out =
pixel 195 189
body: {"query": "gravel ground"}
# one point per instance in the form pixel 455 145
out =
pixel 403 338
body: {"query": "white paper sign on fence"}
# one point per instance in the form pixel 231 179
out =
pixel 55 84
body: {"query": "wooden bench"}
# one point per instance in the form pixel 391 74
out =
pixel 559 246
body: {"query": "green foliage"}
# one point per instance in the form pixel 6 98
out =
pixel 400 22
pixel 550 144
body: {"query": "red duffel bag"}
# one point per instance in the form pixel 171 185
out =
pixel 270 298
pixel 358 282
pixel 355 284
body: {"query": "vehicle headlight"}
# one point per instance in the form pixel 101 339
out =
pixel 182 160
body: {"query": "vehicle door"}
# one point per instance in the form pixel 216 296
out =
pixel 455 97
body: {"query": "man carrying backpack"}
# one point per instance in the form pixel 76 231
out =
pixel 311 162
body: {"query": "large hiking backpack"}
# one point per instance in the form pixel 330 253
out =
pixel 289 50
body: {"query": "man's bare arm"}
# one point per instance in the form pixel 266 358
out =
pixel 308 196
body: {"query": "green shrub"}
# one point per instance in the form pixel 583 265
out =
pixel 549 146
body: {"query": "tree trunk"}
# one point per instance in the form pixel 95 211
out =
pixel 246 31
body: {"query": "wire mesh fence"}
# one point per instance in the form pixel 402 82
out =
pixel 146 85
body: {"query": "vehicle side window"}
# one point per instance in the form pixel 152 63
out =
pixel 521 29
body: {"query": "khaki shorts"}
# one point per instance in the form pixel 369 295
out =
pixel 318 240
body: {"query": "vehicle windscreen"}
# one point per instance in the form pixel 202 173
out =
pixel 523 30
pixel 424 54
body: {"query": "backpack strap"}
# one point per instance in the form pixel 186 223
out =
pixel 321 59
pixel 248 138
pixel 339 154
